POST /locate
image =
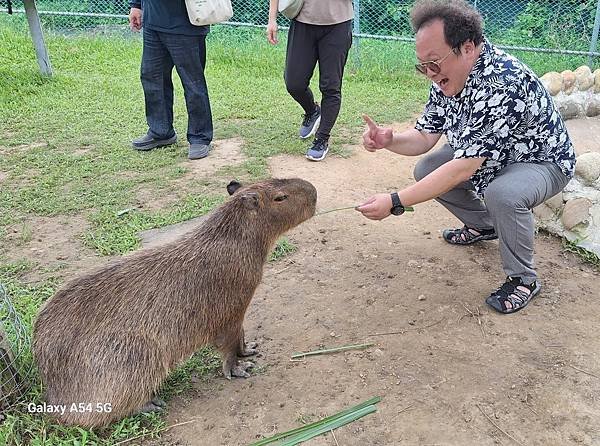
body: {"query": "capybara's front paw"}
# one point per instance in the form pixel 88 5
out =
pixel 249 349
pixel 240 370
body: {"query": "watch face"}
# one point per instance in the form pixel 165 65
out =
pixel 397 210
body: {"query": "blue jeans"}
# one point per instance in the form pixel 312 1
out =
pixel 161 52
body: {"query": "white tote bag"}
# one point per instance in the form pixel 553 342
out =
pixel 208 12
pixel 290 8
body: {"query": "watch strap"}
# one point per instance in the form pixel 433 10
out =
pixel 396 200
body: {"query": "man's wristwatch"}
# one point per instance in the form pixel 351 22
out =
pixel 397 208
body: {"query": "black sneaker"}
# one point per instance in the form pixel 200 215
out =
pixel 310 123
pixel 147 142
pixel 198 151
pixel 318 150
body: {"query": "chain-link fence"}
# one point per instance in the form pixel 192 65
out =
pixel 565 27
pixel 15 368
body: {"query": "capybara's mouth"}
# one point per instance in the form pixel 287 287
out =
pixel 313 202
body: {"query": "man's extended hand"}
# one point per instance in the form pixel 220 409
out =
pixel 375 137
pixel 377 207
pixel 135 19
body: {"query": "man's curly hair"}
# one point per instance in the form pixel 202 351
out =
pixel 461 21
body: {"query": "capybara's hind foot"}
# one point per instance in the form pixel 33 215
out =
pixel 158 402
pixel 240 370
pixel 149 407
pixel 249 349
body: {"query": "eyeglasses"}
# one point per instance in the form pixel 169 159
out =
pixel 432 65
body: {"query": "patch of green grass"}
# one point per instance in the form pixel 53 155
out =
pixel 583 254
pixel 23 428
pixel 282 249
pixel 117 233
pixel 205 363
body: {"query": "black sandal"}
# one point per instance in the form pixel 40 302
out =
pixel 468 236
pixel 512 295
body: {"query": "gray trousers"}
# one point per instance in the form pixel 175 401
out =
pixel 506 206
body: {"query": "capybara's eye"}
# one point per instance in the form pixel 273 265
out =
pixel 281 198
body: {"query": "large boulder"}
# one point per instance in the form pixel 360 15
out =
pixel 553 82
pixel 584 78
pixel 588 168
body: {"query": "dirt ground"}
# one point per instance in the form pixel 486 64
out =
pixel 452 373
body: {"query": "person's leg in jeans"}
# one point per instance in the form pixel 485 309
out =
pixel 300 62
pixel 156 71
pixel 462 201
pixel 333 47
pixel 189 55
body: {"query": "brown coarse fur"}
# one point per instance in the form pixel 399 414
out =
pixel 113 335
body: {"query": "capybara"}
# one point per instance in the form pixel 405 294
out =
pixel 105 342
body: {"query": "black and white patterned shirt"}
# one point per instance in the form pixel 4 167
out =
pixel 503 114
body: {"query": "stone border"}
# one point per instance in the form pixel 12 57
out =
pixel 575 212
pixel 576 93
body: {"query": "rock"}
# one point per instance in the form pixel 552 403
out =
pixel 593 107
pixel 597 81
pixel 584 77
pixel 555 202
pixel 568 81
pixel 576 211
pixel 544 213
pixel 569 108
pixel 421 297
pixel 588 167
pixel 553 82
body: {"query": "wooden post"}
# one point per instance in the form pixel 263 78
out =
pixel 38 37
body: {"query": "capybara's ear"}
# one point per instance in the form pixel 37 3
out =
pixel 250 200
pixel 233 186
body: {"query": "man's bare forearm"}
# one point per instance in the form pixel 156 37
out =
pixel 412 142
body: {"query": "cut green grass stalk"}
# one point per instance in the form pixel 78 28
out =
pixel 329 426
pixel 331 350
pixel 406 208
pixel 321 423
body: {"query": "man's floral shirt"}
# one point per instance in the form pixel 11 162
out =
pixel 503 114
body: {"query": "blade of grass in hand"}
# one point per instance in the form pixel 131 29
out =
pixel 337 209
pixel 276 437
pixel 406 208
pixel 330 350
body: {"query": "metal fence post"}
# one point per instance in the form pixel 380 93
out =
pixel 38 37
pixel 356 32
pixel 594 43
